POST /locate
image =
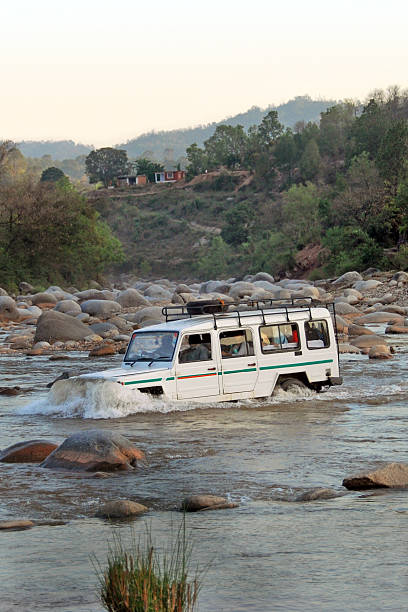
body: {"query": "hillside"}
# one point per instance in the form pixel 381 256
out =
pixel 301 108
pixel 57 149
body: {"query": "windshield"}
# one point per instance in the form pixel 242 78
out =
pixel 151 346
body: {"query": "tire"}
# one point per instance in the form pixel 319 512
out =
pixel 293 385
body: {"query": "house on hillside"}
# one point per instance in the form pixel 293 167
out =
pixel 130 180
pixel 169 176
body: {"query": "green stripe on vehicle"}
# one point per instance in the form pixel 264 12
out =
pixel 139 382
pixel 170 378
pixel 239 371
pixel 294 365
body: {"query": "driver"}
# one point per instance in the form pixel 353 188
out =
pixel 196 350
pixel 167 346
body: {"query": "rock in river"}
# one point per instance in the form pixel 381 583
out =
pixel 94 451
pixel 389 476
pixel 197 503
pixel 54 325
pixel 27 452
pixel 122 508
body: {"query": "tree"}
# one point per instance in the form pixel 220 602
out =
pixel 286 153
pixel 226 147
pixel 149 168
pixel 197 159
pixel 106 164
pixel 301 213
pixel 310 162
pixel 52 174
pixel 238 220
pixel 270 129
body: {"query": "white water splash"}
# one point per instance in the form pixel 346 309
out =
pixel 99 399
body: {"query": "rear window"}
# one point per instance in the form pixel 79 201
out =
pixel 317 334
pixel 283 337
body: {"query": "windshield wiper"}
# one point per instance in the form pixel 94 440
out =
pixel 167 358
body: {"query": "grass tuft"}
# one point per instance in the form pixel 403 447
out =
pixel 143 580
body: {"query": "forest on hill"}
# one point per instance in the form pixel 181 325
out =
pixel 173 143
pixel 315 200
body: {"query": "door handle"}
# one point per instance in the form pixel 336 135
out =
pixel 211 369
pixel 252 364
pixel 298 352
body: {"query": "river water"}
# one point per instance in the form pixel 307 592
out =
pixel 271 553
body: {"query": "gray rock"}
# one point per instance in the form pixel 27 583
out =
pixel 121 324
pixel 54 325
pixel 8 309
pixel 348 279
pixel 101 329
pixel 43 298
pixel 90 294
pixel 59 293
pixel 100 308
pixel 363 286
pixel 93 451
pixel 157 292
pixel 83 316
pixel 24 287
pixel 379 317
pixel 152 312
pixel 68 307
pixel 344 309
pixel 400 277
pixel 182 288
pixel 3 292
pixel 197 503
pixel 263 276
pixel 241 289
pixel 130 298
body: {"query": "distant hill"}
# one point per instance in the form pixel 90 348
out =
pixel 301 108
pixel 57 149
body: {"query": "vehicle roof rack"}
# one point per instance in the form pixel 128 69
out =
pixel 218 309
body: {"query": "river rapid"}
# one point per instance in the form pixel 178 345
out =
pixel 271 553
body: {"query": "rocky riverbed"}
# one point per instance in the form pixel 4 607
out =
pixel 287 534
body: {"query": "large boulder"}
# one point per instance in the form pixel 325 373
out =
pixel 100 308
pixel 43 298
pixel 367 285
pixel 130 298
pixel 393 475
pixel 368 341
pixel 380 317
pixel 263 276
pixel 68 307
pixel 400 277
pixel 146 314
pixel 27 452
pixel 241 289
pixel 94 451
pixel 54 326
pixel 156 292
pixel 342 308
pixel 396 329
pixel 8 309
pixel 90 294
pixel 348 279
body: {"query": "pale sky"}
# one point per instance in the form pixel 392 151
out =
pixel 103 71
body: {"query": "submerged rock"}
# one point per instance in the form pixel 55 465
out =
pixel 16 525
pixel 319 493
pixel 393 475
pixel 27 452
pixel 380 352
pixel 94 451
pixel 122 508
pixel 197 503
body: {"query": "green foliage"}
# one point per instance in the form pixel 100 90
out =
pixel 214 259
pixel 237 224
pixel 272 253
pixel 52 174
pixel 197 161
pixel 226 147
pixel 48 232
pixel 310 162
pixel 351 249
pixel 302 216
pixel 106 164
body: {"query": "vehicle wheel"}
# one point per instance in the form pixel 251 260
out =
pixel 293 385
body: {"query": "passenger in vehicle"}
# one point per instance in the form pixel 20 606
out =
pixel 311 332
pixel 196 351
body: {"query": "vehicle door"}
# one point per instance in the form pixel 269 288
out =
pixel 238 362
pixel 196 367
pixel 281 351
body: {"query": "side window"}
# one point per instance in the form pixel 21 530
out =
pixel 195 347
pixel 237 343
pixel 317 334
pixel 283 337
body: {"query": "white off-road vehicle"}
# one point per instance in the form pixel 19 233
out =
pixel 212 351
